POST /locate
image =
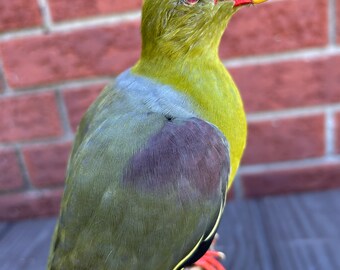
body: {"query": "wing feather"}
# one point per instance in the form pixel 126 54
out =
pixel 144 190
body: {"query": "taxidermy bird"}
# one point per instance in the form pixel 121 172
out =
pixel 156 152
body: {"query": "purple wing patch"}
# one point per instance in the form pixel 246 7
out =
pixel 188 156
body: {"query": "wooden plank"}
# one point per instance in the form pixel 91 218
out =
pixel 303 231
pixel 242 238
pixel 4 227
pixel 26 245
pixel 292 232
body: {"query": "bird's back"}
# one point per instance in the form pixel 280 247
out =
pixel 145 175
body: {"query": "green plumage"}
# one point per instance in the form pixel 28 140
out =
pixel 148 174
pixel 104 225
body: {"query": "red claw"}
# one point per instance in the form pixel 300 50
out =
pixel 210 261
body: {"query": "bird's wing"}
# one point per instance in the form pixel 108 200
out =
pixel 205 242
pixel 143 191
pixel 193 155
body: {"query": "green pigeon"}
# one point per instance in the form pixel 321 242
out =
pixel 156 152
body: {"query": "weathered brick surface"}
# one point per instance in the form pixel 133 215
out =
pixel 289 84
pixel 276 26
pixel 29 117
pixel 46 164
pixel 58 57
pixel 286 139
pixel 10 175
pixel 337 136
pixel 289 181
pixel 77 102
pixel 30 204
pixel 62 10
pixel 15 14
pixel 86 53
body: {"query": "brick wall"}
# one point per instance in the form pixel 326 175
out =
pixel 56 55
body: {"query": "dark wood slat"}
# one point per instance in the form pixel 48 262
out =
pixel 4 227
pixel 242 237
pixel 303 231
pixel 26 245
pixel 292 232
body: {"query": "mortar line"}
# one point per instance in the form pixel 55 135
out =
pixel 336 129
pixel 289 165
pixel 67 26
pixel 33 190
pixel 86 23
pixel 332 35
pixel 292 113
pixel 23 168
pixel 21 33
pixel 37 142
pixel 75 84
pixel 7 89
pixel 330 132
pixel 46 15
pixel 303 54
pixel 68 133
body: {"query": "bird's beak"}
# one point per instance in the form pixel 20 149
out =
pixel 247 2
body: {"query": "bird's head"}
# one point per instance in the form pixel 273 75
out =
pixel 177 27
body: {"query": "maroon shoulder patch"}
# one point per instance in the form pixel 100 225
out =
pixel 187 156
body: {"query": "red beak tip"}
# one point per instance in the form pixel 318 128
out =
pixel 242 2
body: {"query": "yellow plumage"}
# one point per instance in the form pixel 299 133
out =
pixel 193 67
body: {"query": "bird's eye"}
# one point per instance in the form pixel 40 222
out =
pixel 190 2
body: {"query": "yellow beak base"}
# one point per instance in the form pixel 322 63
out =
pixel 255 2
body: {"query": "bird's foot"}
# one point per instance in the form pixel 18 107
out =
pixel 211 261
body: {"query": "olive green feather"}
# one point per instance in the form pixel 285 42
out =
pixel 148 174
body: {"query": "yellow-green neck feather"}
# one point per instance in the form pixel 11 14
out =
pixel 191 66
pixel 172 29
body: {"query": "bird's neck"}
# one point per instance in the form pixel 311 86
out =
pixel 204 80
pixel 187 75
pixel 209 87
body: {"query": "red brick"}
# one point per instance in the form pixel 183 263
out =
pixel 87 53
pixel 285 139
pixel 29 117
pixel 289 84
pixel 337 137
pixel 289 181
pixel 15 14
pixel 11 177
pixel 30 204
pixel 77 102
pixel 276 26
pixel 46 164
pixel 62 10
